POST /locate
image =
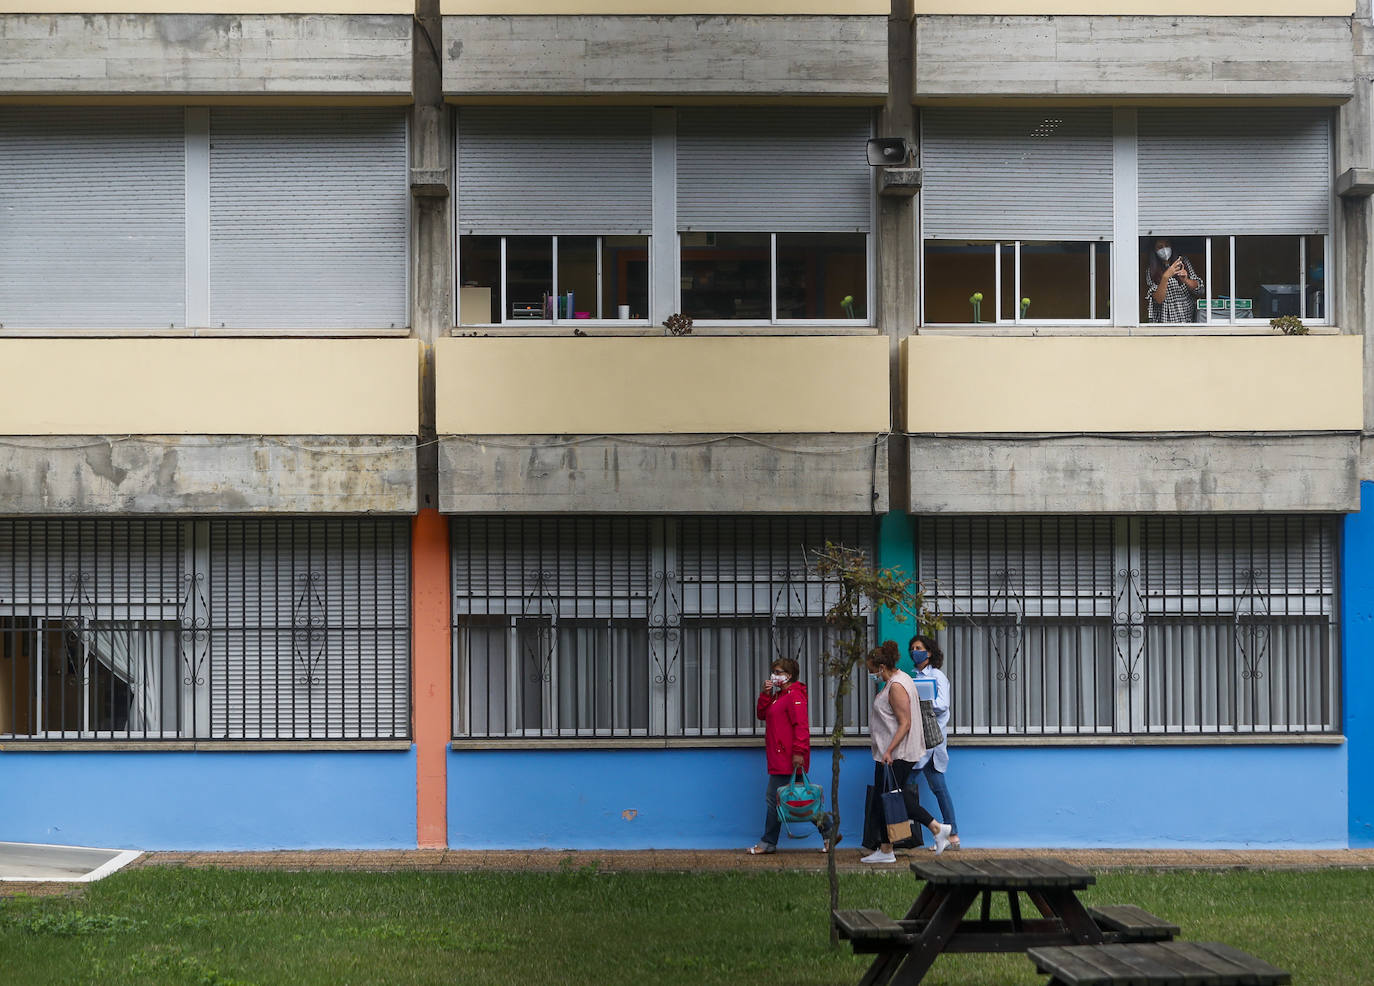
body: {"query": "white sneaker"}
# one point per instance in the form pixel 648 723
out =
pixel 942 834
pixel 878 856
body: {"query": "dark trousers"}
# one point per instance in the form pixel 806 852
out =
pixel 875 826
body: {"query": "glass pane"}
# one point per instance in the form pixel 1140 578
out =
pixel 529 277
pixel 726 275
pixel 577 277
pixel 1180 304
pixel 1063 280
pixel 1269 274
pixel 1316 277
pixel 960 282
pixel 822 275
pixel 479 272
pixel 625 277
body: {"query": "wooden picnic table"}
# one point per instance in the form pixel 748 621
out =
pixel 939 920
pixel 1168 963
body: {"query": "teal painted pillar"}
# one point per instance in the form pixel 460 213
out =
pixel 896 549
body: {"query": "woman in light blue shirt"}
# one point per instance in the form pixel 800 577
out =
pixel 928 659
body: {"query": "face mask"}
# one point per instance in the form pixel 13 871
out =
pixel 875 678
pixel 778 679
pixel 920 657
pixel 1164 253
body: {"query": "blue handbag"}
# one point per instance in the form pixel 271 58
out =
pixel 800 801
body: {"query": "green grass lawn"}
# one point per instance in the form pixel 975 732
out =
pixel 182 926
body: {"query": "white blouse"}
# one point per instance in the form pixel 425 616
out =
pixel 882 723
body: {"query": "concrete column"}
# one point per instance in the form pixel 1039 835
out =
pixel 431 662
pixel 431 153
pixel 897 242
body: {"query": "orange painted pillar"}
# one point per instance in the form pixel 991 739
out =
pixel 431 670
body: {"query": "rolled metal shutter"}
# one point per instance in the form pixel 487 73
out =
pixel 550 171
pixel 774 170
pixel 1234 171
pixel 1036 174
pixel 92 217
pixel 309 212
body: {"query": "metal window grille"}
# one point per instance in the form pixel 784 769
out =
pixel 204 629
pixel 1137 625
pixel 638 627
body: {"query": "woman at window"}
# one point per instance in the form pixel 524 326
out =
pixel 929 659
pixel 787 743
pixel 896 747
pixel 1171 285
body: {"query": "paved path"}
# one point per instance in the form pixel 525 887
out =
pixel 687 860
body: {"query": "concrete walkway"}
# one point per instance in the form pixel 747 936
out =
pixel 699 861
pixel 688 860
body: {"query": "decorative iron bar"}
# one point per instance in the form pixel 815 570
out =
pixel 204 629
pixel 1137 625
pixel 638 627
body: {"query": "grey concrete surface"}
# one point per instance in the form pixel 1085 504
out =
pixel 68 475
pixel 1134 56
pixel 682 56
pixel 21 861
pixel 1190 474
pixel 663 474
pixel 205 54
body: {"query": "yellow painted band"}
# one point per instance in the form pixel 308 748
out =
pixel 970 385
pixel 75 386
pixel 662 385
pixel 1118 8
pixel 402 7
pixel 662 8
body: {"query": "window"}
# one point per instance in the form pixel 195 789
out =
pixel 552 279
pixel 225 629
pixel 226 217
pixel 1140 625
pixel 1017 281
pixel 1249 277
pixel 636 627
pixel 1020 209
pixel 554 206
pixel 1257 232
pixel 773 213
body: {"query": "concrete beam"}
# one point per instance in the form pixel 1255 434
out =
pixel 220 55
pixel 1296 473
pixel 810 473
pixel 75 475
pixel 1146 58
pixel 684 56
pixel 1355 183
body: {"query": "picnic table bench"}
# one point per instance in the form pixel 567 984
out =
pixel 1171 963
pixel 939 920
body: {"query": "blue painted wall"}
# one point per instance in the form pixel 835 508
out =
pixel 1357 645
pixel 239 800
pixel 1213 797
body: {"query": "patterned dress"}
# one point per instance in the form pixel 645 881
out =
pixel 1180 302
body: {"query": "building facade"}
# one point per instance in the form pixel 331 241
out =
pixel 350 477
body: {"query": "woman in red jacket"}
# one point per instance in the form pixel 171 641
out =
pixel 787 741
